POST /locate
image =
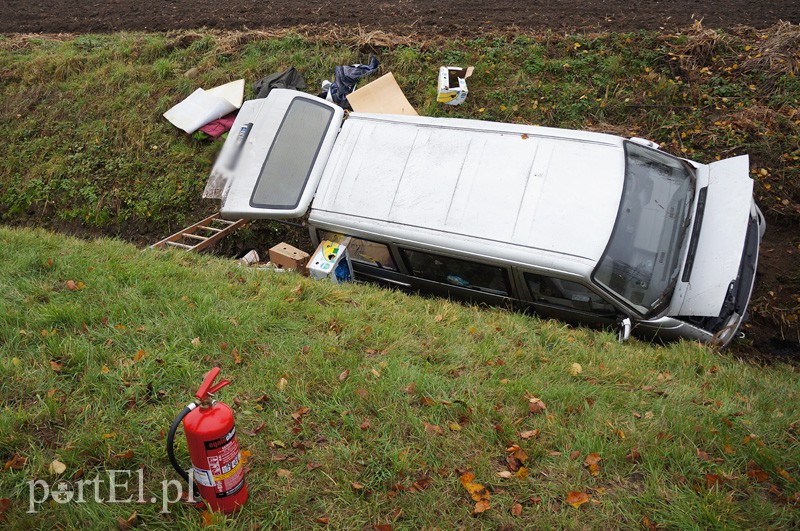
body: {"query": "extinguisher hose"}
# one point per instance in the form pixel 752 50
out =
pixel 171 441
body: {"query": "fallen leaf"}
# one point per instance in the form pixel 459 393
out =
pixel 536 406
pixel 530 434
pixel 283 473
pixel 124 525
pixel 634 456
pixel 282 383
pixel 365 425
pixel 15 463
pixel 575 369
pixel 362 393
pixel 481 506
pixel 57 467
pixel 753 472
pixel 207 518
pixel 357 486
pixel 476 491
pixel 382 527
pixel 196 342
pixel 576 499
pixel 237 359
pixel 516 510
pixel 591 463
pixel 411 388
pixel 375 373
pixel 432 429
pixel 784 474
pixel 422 483
pixel 522 473
pixel 109 435
pixel 454 426
pixel 344 375
pixel 55 366
pixel 5 505
pixel 324 520
pixel 71 285
pixel 505 474
pixel 125 455
pixel 703 456
pixel 573 455
pixel 713 480
pixel 105 369
pixel 139 355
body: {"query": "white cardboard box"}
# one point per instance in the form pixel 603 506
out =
pixel 453 84
pixel 330 261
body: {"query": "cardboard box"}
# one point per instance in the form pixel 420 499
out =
pixel 284 256
pixel 382 96
pixel 331 262
pixel 453 84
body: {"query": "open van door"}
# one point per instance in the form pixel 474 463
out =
pixel 274 156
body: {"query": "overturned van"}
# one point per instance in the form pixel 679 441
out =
pixel 585 227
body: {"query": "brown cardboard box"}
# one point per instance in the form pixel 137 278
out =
pixel 284 256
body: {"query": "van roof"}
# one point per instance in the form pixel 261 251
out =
pixel 513 191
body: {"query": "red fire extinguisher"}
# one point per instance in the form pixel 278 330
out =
pixel 217 471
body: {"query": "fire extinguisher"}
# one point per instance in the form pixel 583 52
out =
pixel 217 469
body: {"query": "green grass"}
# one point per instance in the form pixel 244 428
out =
pixel 74 388
pixel 85 143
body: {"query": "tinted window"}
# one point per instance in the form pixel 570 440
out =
pixel 566 293
pixel 292 155
pixel 372 253
pixel 457 272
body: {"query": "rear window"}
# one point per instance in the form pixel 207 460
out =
pixel 292 155
pixel 457 272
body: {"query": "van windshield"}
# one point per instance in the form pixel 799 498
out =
pixel 640 264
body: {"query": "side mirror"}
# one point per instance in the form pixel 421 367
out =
pixel 624 333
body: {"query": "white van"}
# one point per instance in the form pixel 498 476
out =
pixel 586 227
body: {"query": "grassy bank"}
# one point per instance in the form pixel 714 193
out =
pixel 358 407
pixel 85 145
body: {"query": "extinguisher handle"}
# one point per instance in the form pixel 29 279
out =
pixel 207 387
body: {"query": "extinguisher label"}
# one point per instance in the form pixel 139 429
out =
pixel 225 464
pixel 203 477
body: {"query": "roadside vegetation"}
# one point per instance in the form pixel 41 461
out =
pixel 85 149
pixel 360 407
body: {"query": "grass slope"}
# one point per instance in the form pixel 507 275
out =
pixel 405 394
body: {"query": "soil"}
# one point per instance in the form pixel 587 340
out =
pixel 400 16
pixel 774 330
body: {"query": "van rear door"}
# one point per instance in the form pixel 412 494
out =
pixel 274 156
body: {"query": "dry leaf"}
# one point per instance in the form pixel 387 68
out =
pixel 530 434
pixel 71 285
pixel 522 473
pixel 575 369
pixel 57 467
pixel 365 425
pixel 573 455
pixel 283 473
pixel 324 520
pixel 591 463
pixel 432 429
pixel 713 480
pixel 476 491
pixel 357 486
pixel 139 355
pixel 109 435
pixel 105 369
pixel 422 483
pixel 481 506
pixel 536 406
pixel 362 393
pixel 411 388
pixel 753 472
pixel 15 463
pixel 55 366
pixel 282 383
pixel 576 499
pixel 634 456
pixel 237 359
pixel 344 375
pixel 125 455
pixel 516 510
pixel 196 342
pixel 124 525
pixel 454 426
pixel 208 518
pixel 505 474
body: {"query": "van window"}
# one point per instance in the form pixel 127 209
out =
pixel 457 272
pixel 365 251
pixel 566 293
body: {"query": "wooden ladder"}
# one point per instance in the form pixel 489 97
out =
pixel 200 235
